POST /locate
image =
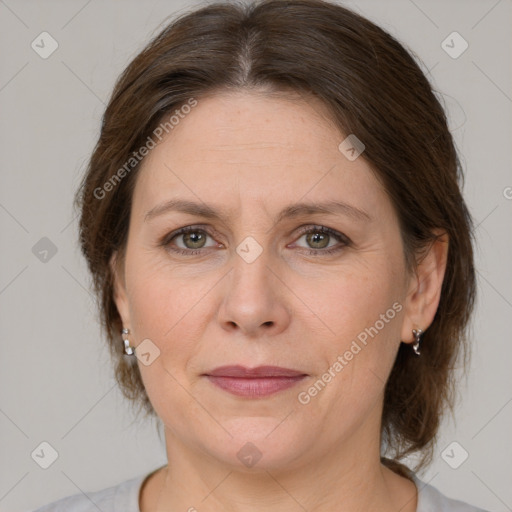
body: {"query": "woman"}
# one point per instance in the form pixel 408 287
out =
pixel 275 229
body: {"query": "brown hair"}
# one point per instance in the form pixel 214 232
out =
pixel 373 89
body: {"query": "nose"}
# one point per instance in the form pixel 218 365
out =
pixel 254 300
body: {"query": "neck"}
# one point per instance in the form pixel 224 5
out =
pixel 345 480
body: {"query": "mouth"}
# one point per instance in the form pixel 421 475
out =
pixel 256 382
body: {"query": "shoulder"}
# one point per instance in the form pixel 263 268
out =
pixel 123 497
pixel 431 500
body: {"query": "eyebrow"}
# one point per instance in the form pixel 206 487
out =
pixel 291 211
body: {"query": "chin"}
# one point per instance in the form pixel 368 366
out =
pixel 260 443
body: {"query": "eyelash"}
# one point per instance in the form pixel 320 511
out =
pixel 343 239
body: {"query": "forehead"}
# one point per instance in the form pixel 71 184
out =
pixel 245 147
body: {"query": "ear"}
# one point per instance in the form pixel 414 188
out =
pixel 425 285
pixel 119 285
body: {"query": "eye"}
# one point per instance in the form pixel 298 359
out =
pixel 188 240
pixel 192 240
pixel 321 239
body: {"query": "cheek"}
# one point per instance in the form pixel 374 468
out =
pixel 169 308
pixel 159 295
pixel 163 310
pixel 349 388
pixel 363 312
pixel 357 300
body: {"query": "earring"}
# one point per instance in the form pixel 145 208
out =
pixel 418 333
pixel 128 350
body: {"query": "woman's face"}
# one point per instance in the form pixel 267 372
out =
pixel 292 258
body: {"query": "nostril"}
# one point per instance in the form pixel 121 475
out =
pixel 268 324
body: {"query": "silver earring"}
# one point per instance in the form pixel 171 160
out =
pixel 418 333
pixel 128 350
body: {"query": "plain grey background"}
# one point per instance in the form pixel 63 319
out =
pixel 56 383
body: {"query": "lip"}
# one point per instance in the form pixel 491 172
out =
pixel 258 372
pixel 254 382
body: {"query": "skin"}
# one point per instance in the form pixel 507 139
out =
pixel 249 155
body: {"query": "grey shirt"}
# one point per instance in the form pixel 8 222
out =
pixel 125 498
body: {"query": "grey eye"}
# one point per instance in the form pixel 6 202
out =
pixel 317 240
pixel 193 239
